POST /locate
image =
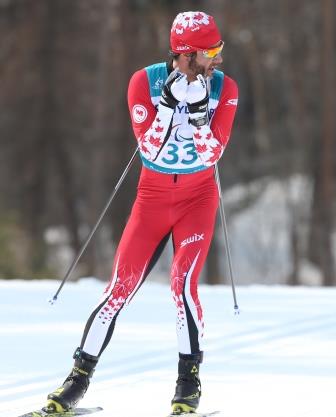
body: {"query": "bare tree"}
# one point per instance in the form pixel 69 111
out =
pixel 324 181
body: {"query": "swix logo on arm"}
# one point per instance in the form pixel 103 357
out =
pixel 191 239
pixel 139 113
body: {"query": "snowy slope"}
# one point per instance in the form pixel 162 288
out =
pixel 277 359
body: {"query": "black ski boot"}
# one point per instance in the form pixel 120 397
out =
pixel 75 386
pixel 188 384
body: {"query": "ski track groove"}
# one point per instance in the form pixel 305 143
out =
pixel 232 347
pixel 285 330
pixel 261 326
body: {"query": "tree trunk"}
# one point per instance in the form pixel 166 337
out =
pixel 322 209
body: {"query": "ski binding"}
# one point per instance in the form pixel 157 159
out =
pixel 194 414
pixel 71 413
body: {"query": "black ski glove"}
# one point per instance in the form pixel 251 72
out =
pixel 174 90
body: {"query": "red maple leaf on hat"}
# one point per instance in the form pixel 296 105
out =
pixel 197 136
pixel 198 16
pixel 159 129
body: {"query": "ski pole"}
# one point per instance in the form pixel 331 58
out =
pixel 85 244
pixel 226 239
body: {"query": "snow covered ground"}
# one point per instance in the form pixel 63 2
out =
pixel 277 359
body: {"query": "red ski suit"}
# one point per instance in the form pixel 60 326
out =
pixel 177 195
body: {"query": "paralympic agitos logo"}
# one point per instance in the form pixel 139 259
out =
pixel 177 136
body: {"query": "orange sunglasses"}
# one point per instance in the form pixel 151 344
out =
pixel 211 52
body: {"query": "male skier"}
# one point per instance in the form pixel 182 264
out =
pixel 182 113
